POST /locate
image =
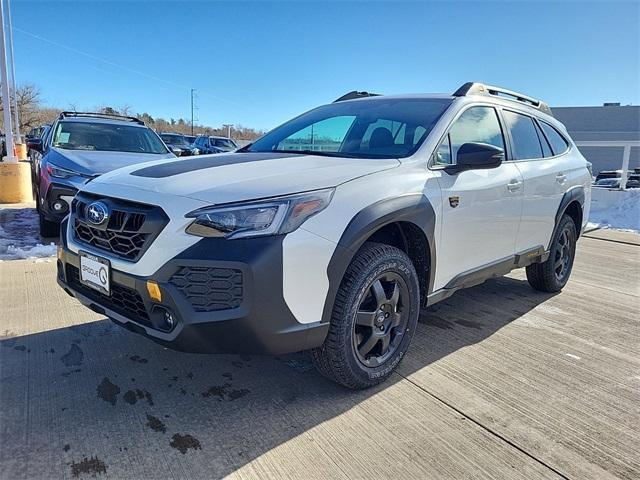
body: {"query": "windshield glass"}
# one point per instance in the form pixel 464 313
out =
pixel 223 142
pixel 106 137
pixel 373 128
pixel 173 139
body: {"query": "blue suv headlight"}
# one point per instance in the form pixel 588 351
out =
pixel 58 172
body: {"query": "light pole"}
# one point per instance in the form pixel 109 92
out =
pixel 192 90
pixel 6 98
pixel 13 74
pixel 15 177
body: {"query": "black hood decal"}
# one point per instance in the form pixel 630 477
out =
pixel 177 167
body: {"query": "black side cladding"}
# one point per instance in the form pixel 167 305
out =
pixel 415 209
pixel 575 194
pixel 169 169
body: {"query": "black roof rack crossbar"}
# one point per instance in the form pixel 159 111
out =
pixel 355 94
pixel 475 88
pixel 100 115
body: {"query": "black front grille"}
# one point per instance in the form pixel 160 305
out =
pixel 123 300
pixel 210 288
pixel 127 233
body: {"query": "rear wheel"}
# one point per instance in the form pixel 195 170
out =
pixel 374 317
pixel 552 275
pixel 47 227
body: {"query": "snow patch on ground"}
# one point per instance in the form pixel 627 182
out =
pixel 20 234
pixel 623 215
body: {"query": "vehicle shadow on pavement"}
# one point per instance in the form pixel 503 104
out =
pixel 95 398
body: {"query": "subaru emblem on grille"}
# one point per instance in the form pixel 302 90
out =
pixel 97 213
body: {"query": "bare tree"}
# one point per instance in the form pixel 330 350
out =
pixel 29 110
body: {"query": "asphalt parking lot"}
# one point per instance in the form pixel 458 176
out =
pixel 500 382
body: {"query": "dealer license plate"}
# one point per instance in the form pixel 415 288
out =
pixel 95 272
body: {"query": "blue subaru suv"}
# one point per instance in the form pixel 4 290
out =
pixel 79 147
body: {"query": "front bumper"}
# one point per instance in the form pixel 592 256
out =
pixel 225 296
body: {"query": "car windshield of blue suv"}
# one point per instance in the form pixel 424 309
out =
pixel 370 128
pixel 106 137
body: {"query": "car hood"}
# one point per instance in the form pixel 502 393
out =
pixel 96 163
pixel 233 177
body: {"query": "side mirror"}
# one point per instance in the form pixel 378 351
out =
pixel 475 156
pixel 35 144
pixel 176 151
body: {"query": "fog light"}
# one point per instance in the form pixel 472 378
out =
pixel 169 320
pixel 59 206
pixel 154 291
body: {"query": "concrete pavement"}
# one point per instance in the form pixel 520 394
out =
pixel 500 382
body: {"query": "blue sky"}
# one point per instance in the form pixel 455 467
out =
pixel 258 64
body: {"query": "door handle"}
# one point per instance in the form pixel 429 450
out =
pixel 561 178
pixel 514 185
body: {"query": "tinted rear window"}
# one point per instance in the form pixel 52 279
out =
pixel 557 141
pixel 526 144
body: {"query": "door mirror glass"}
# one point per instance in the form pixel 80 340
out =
pixel 475 156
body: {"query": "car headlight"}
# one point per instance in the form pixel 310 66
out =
pixel 58 172
pixel 266 217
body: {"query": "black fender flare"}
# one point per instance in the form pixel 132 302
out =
pixel 414 208
pixel 575 194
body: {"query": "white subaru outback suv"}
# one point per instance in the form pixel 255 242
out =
pixel 331 232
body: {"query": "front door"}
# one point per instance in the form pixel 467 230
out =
pixel 481 208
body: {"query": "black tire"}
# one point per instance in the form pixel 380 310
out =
pixel 47 227
pixel 380 287
pixel 551 276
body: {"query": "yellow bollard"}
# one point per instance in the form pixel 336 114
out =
pixel 15 182
pixel 21 151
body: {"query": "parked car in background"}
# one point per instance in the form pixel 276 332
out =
pixel 633 181
pixel 78 148
pixel 36 132
pixel 616 173
pixel 178 144
pixel 192 141
pixel 332 231
pixel 211 144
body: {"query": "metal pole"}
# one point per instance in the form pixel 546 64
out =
pixel 13 74
pixel 6 101
pixel 625 167
pixel 192 111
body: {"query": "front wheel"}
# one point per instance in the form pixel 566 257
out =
pixel 374 318
pixel 552 275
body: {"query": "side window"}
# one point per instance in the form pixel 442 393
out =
pixel 546 149
pixel 443 154
pixel 558 143
pixel 477 125
pixel 526 144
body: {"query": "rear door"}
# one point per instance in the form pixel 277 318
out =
pixel 543 177
pixel 481 208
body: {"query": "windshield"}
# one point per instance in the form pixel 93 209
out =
pixel 106 137
pixel 223 142
pixel 173 139
pixel 372 128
